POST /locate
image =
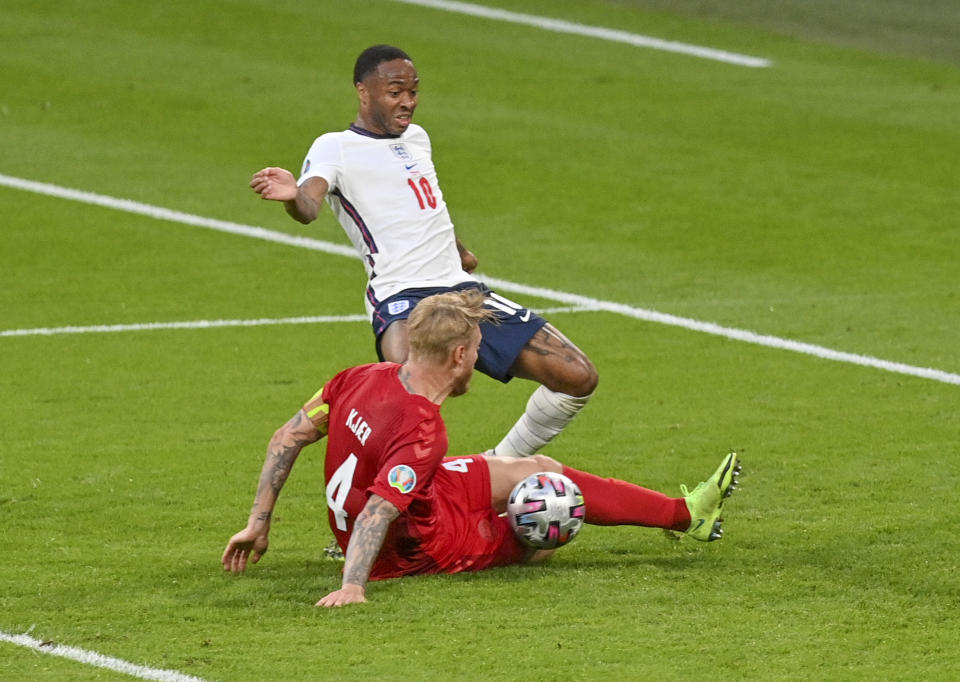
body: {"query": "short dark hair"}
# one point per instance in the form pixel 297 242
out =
pixel 374 56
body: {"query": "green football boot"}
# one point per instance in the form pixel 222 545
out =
pixel 705 502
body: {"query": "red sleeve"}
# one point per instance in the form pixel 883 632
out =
pixel 318 407
pixel 412 461
pixel 330 388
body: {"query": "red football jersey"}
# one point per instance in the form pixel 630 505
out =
pixel 381 439
pixel 384 440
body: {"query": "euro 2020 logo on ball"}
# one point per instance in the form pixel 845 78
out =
pixel 546 510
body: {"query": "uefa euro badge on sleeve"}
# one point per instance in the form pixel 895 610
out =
pixel 403 478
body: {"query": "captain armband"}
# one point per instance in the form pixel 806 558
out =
pixel 318 412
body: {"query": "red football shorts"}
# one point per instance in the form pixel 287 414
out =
pixel 456 531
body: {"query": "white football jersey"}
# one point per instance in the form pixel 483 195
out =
pixel 384 192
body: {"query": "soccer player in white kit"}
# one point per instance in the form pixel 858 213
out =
pixel 379 179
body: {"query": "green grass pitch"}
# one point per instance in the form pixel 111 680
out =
pixel 814 200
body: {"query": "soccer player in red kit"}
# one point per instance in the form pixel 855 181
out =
pixel 398 506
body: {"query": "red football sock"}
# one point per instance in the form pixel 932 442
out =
pixel 612 502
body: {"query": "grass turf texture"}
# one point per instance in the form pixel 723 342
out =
pixel 814 200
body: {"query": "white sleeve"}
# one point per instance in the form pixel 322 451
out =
pixel 324 160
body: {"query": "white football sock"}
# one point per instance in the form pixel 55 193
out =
pixel 547 413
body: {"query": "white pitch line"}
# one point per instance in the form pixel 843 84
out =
pixel 193 324
pixel 501 284
pixel 98 660
pixel 161 213
pixel 731 333
pixel 610 34
pixel 215 324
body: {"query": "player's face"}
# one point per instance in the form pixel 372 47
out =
pixel 388 97
pixel 461 383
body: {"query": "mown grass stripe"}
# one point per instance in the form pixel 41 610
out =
pixel 586 302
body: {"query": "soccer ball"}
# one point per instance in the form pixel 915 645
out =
pixel 546 510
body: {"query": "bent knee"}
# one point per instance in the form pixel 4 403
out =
pixel 587 379
pixel 578 379
pixel 544 463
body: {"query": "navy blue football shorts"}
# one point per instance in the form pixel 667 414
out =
pixel 501 343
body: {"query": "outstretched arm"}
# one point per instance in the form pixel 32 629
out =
pixel 282 452
pixel 369 532
pixel 278 184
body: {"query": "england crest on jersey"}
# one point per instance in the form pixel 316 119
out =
pixel 400 151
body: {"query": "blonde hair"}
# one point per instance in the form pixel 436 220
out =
pixel 441 322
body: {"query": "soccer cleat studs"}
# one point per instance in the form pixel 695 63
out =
pixel 705 502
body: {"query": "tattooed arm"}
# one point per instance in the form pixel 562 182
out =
pixel 282 452
pixel 369 531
